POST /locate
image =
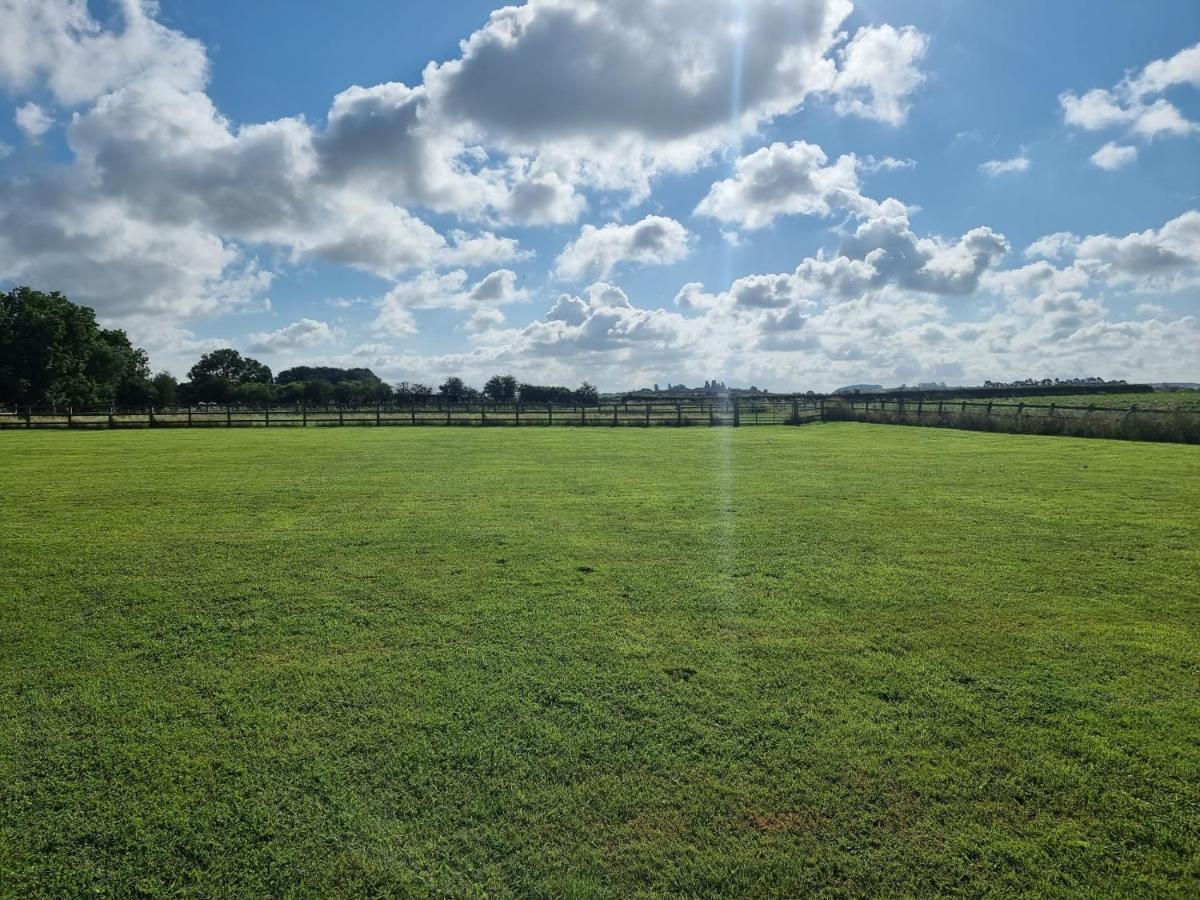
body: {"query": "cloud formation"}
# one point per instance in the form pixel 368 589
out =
pixel 655 240
pixel 1135 105
pixel 995 167
pixel 783 180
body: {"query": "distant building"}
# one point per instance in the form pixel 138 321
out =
pixel 860 389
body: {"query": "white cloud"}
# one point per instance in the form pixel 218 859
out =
pixel 1052 246
pixel 879 72
pixel 784 179
pixel 33 121
pixel 995 167
pixel 655 240
pixel 618 91
pixel 484 249
pixel 1131 104
pixel 1182 68
pixel 297 336
pixel 885 164
pixel 451 290
pixel 1113 156
pixel 59 43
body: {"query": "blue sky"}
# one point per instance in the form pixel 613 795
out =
pixel 572 196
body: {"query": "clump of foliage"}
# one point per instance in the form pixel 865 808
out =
pixel 53 352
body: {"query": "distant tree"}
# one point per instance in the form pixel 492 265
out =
pixel 164 390
pixel 413 392
pixel 501 388
pixel 539 393
pixel 292 392
pixel 254 393
pixel 453 389
pixel 229 365
pixel 587 395
pixel 327 374
pixel 318 393
pixel 218 375
pixel 53 351
pixel 347 392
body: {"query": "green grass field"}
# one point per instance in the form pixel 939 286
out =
pixel 845 658
pixel 1155 399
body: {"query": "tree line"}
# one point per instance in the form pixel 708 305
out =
pixel 54 353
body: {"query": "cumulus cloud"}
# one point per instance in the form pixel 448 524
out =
pixel 623 89
pixel 1146 257
pixel 995 167
pixel 1132 104
pixel 879 72
pixel 1113 156
pixel 59 43
pixel 655 240
pixel 297 336
pixel 1052 246
pixel 33 121
pixel 784 179
pixel 451 290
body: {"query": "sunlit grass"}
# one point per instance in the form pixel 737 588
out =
pixel 871 659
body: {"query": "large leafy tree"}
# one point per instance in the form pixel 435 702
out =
pixel 453 389
pixel 218 375
pixel 53 351
pixel 229 365
pixel 328 374
pixel 501 388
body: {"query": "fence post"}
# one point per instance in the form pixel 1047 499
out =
pixel 679 415
pixel 482 413
pixel 303 416
pixel 69 416
pixel 267 416
pixel 821 404
pixel 110 418
pixel 737 412
pixel 647 415
pixel 28 416
pixel 341 415
pixel 711 413
pixel 228 416
pixel 920 404
pixel 412 413
pixel 795 411
pixel 614 415
pixel 447 413
pixel 189 415
pixel 583 415
pixel 549 414
pixel 517 413
pixel 378 413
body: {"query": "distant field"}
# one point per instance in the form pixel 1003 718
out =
pixel 1166 399
pixel 614 662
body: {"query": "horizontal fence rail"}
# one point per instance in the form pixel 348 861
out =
pixel 721 411
pixel 1178 424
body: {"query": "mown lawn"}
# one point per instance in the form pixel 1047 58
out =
pixel 845 658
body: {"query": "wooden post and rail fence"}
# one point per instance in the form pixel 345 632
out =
pixel 1181 423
